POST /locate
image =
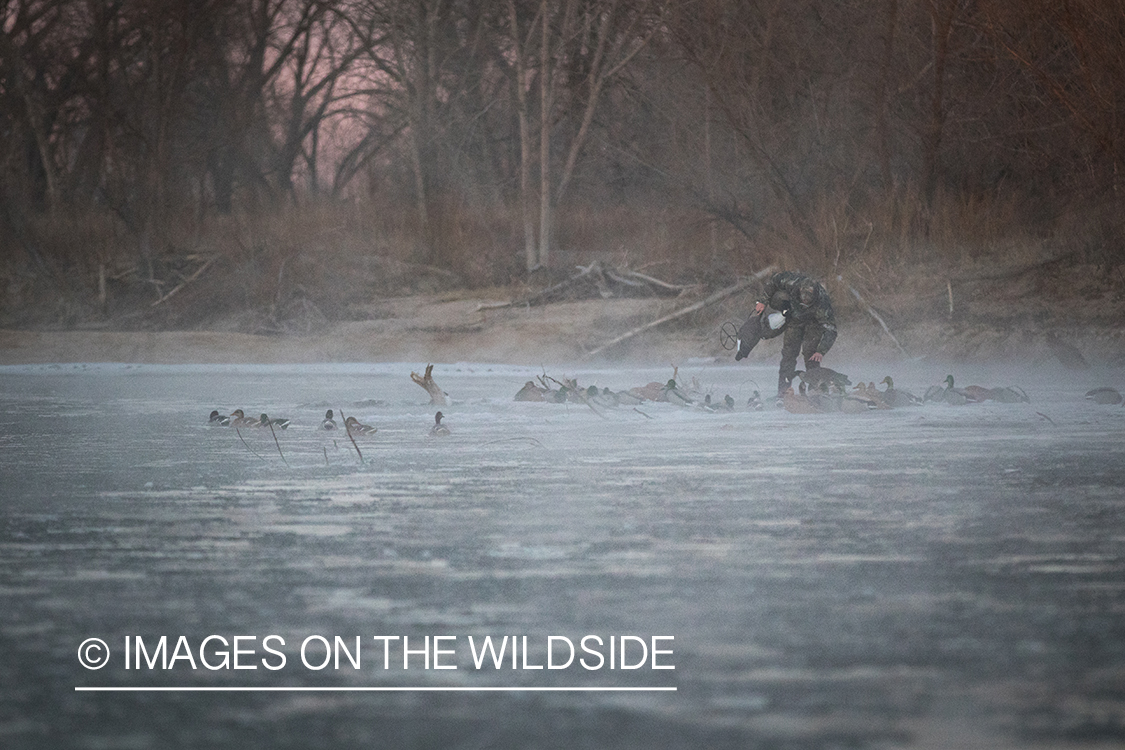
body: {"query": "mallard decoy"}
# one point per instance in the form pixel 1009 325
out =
pixel 329 423
pixel 948 394
pixel 531 392
pixel 755 402
pixel 279 423
pixel 354 426
pixel 674 395
pixel 896 397
pixel 438 430
pixel 1104 396
pixel 239 419
pixel 218 420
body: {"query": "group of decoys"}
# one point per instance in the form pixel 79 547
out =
pixel 352 425
pixel 668 392
pixel 238 418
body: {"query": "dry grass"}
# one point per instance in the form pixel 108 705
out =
pixel 299 268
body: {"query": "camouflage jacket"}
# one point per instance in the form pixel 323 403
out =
pixel 783 292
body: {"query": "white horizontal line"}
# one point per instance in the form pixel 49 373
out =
pixel 246 689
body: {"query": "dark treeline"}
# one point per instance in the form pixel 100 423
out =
pixel 494 139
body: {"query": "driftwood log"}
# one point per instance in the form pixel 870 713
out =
pixel 718 296
pixel 437 395
pixel 593 280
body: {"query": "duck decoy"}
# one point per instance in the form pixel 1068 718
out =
pixel 755 402
pixel 948 394
pixel 674 395
pixel 895 396
pixel 438 430
pixel 239 419
pixel 1104 396
pixel 218 420
pixel 651 392
pixel 329 423
pixel 531 392
pixel 279 423
pixel 354 426
pixel 814 376
pixel 798 403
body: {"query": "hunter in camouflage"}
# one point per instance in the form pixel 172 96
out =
pixel 810 327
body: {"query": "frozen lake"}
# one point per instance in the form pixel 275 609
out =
pixel 928 577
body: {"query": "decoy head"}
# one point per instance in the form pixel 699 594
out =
pixel 328 414
pixel 215 415
pixel 437 418
pixel 264 419
pixel 671 384
pixel 592 391
pixel 238 413
pixel 949 381
pixel 890 383
pixel 728 400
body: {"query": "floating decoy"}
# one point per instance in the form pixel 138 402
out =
pixel 265 421
pixel 798 403
pixel 438 430
pixel 531 392
pixel 239 419
pixel 329 423
pixel 674 395
pixel 218 419
pixel 895 396
pixel 1104 396
pixel 354 426
pixel 948 394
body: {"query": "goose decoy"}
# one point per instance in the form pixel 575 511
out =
pixel 897 397
pixel 438 430
pixel 329 423
pixel 531 392
pixel 239 419
pixel 1104 396
pixel 218 420
pixel 354 426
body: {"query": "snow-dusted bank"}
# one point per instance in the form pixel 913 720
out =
pixel 889 577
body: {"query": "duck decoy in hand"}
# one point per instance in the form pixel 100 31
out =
pixel 813 377
pixel 354 426
pixel 218 420
pixel 438 430
pixel 1104 396
pixel 329 423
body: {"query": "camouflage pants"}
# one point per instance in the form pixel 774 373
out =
pixel 800 338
